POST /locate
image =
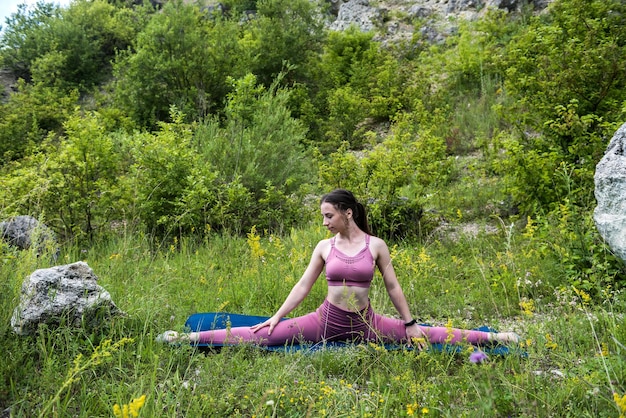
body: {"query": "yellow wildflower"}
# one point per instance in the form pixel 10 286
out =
pixel 423 256
pixel 530 229
pixel 129 410
pixel 254 242
pixel 411 408
pixel 550 343
pixel 136 405
pixel 620 401
pixel 584 296
pixel 528 307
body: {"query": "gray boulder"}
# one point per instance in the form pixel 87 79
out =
pixel 21 231
pixel 58 295
pixel 610 191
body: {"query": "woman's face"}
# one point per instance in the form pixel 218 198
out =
pixel 334 219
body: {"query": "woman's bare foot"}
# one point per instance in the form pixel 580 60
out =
pixel 168 337
pixel 507 337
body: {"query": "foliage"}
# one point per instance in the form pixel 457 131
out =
pixel 67 48
pixel 182 58
pixel 72 179
pixel 470 69
pixel 30 114
pixel 567 98
pixel 586 261
pixel 282 34
pixel 162 169
pixel 384 172
pixel 360 83
pixel 23 36
pixel 260 143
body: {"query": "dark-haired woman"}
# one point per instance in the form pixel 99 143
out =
pixel 349 260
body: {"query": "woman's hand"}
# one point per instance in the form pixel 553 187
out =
pixel 416 337
pixel 271 323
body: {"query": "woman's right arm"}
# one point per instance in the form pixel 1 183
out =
pixel 300 289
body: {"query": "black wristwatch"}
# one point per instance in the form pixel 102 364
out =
pixel 412 322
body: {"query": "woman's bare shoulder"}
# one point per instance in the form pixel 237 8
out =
pixel 378 247
pixel 323 247
pixel 376 242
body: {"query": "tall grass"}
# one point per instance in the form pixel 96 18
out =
pixel 575 347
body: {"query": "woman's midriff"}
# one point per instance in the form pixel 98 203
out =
pixel 349 298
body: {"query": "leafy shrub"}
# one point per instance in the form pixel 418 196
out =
pixel 410 155
pixel 568 100
pixel 30 115
pixel 568 234
pixel 73 180
pixel 283 34
pixel 70 48
pixel 260 143
pixel 181 58
pixel 358 81
pixel 233 177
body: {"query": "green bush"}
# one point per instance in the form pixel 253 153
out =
pixel 73 180
pixel 30 114
pixel 259 143
pixel 567 100
pixel 283 34
pixel 410 156
pixel 182 58
pixel 69 48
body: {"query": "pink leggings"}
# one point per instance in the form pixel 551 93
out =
pixel 330 323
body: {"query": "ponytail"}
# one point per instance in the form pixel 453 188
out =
pixel 361 218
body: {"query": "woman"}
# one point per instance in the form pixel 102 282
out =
pixel 349 258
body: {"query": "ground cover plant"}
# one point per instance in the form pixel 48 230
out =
pixel 181 153
pixel 574 345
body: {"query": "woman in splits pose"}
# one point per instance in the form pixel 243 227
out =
pixel 350 258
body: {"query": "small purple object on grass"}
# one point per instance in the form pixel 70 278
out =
pixel 478 357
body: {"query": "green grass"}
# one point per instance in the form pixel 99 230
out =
pixel 575 348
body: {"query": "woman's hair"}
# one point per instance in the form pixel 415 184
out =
pixel 343 200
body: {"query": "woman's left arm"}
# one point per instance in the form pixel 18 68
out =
pixel 383 261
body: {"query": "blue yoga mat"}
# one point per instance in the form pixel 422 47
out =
pixel 219 320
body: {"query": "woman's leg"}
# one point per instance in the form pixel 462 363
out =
pixel 454 335
pixel 393 330
pixel 289 331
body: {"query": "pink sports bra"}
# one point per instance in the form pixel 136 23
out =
pixel 357 270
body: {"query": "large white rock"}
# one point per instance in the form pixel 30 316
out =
pixel 65 294
pixel 610 191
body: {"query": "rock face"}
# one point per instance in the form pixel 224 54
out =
pixel 21 231
pixel 610 191
pixel 356 12
pixel 65 294
pixel 395 20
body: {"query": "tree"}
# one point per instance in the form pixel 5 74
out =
pixel 182 58
pixel 283 34
pixel 567 75
pixel 67 48
pixel 261 143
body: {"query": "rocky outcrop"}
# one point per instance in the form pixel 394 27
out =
pixel 396 20
pixel 610 191
pixel 59 295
